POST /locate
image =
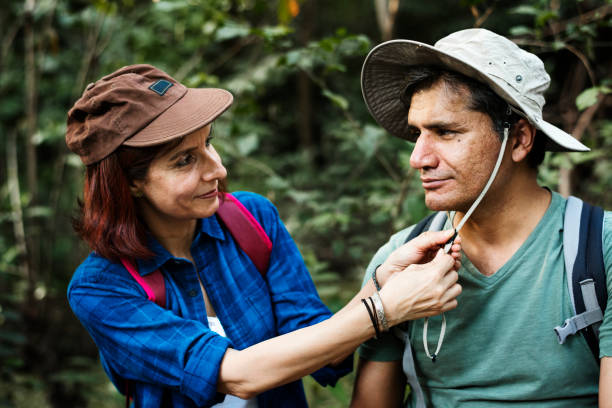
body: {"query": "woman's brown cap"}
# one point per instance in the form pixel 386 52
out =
pixel 138 105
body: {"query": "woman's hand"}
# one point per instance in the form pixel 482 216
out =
pixel 422 290
pixel 419 250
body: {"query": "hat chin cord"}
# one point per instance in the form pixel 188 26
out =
pixel 450 242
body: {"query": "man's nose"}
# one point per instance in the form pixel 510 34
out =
pixel 423 153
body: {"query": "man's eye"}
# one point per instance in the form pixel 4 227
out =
pixel 413 133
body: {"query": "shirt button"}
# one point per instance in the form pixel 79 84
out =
pixel 193 293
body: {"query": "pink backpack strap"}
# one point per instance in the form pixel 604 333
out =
pixel 247 232
pixel 155 288
pixel 153 283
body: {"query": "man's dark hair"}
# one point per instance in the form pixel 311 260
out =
pixel 482 99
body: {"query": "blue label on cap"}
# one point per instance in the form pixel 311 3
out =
pixel 160 87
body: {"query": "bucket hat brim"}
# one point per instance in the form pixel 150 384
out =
pixel 383 79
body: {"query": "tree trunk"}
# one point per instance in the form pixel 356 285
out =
pixel 386 10
pixel 31 95
pixel 14 192
pixel 304 88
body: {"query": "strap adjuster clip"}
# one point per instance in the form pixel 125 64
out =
pixel 567 329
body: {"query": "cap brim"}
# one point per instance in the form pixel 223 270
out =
pixel 196 109
pixel 383 78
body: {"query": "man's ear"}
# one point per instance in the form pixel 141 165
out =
pixel 523 137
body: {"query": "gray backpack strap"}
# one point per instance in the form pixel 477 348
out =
pixel 411 375
pixel 438 222
pixel 592 315
pixel 571 233
pixel 433 223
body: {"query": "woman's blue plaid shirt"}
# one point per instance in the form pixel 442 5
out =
pixel 170 355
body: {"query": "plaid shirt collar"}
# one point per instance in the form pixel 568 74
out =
pixel 206 226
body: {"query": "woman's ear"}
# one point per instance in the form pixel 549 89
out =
pixel 136 189
pixel 523 136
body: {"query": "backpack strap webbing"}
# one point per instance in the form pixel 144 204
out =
pixel 247 232
pixel 152 283
pixel 584 266
pixel 433 222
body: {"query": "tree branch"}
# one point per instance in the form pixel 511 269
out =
pixel 583 122
pixel 594 15
pixel 15 203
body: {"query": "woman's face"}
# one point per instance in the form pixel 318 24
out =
pixel 182 184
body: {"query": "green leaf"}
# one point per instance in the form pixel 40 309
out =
pixel 248 144
pixel 588 97
pixel 39 211
pixel 232 30
pixel 526 10
pixel 558 45
pixel 338 100
pixel 521 30
pixel 543 18
pixel 274 33
pixel 370 140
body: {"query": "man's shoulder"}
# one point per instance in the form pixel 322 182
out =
pixel 399 238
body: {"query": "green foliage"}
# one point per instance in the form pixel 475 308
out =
pixel 588 97
pixel 298 133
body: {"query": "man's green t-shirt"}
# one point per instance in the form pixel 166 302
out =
pixel 500 348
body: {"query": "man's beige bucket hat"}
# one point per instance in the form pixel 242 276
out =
pixel 514 74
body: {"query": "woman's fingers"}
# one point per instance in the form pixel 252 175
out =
pixel 431 240
pixel 442 261
pixel 423 290
pixel 419 250
pixel 450 305
pixel 451 294
pixel 449 279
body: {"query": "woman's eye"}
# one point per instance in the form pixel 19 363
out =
pixel 209 140
pixel 185 160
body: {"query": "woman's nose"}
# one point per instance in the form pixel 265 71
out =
pixel 214 168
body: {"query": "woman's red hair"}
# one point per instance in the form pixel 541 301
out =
pixel 107 218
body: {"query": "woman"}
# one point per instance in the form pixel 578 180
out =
pixel 153 185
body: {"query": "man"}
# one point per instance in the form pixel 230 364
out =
pixel 472 104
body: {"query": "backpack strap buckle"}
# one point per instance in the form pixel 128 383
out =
pixel 591 316
pixel 567 329
pixel 575 323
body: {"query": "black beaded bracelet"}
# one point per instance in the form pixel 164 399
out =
pixel 372 318
pixel 376 284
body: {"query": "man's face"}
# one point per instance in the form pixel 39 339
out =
pixel 456 148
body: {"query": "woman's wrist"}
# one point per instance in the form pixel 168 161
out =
pixel 380 275
pixel 390 306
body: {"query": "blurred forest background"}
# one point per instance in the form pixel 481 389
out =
pixel 298 133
